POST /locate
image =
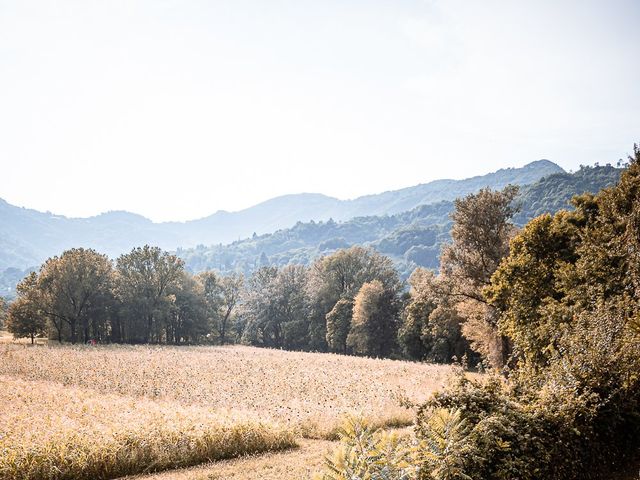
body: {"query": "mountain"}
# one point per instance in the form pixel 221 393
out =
pixel 28 237
pixel 411 238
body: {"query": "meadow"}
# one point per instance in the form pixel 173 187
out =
pixel 108 411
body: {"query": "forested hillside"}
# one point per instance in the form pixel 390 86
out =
pixel 28 237
pixel 412 238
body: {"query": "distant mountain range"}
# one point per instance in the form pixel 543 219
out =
pixel 28 237
pixel 411 238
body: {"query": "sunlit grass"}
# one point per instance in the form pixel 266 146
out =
pixel 108 411
pixel 308 391
pixel 50 431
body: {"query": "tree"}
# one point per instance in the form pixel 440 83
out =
pixel 414 336
pixel 431 327
pixel 3 312
pixel 569 263
pixel 143 279
pixel 211 288
pixel 231 290
pixel 222 294
pixel 339 324
pixel 373 328
pixel 480 239
pixel 24 318
pixel 275 308
pixel 340 276
pixel 70 287
pixel 528 286
pixel 186 317
pixel 261 323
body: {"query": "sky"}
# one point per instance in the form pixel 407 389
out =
pixel 176 109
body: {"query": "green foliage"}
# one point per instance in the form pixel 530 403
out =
pixel 72 292
pixel 365 453
pixel 339 277
pixel 431 326
pixel 24 318
pixel 3 312
pixel 144 278
pixel 373 327
pixel 274 308
pixel 480 236
pixel 567 298
pixel 530 282
pixel 368 454
pixel 339 324
pixel 444 447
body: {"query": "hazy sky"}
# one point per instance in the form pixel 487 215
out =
pixel 175 109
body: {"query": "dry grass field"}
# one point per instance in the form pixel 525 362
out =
pixel 295 464
pixel 55 431
pixel 101 412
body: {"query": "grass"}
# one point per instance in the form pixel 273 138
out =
pixel 53 431
pixel 296 464
pixel 307 391
pixel 6 337
pixel 108 411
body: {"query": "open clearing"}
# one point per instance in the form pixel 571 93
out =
pixel 181 406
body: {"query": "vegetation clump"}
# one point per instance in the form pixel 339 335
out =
pixel 563 303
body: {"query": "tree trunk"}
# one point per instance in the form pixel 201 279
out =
pixel 223 328
pixel 72 324
pixel 85 328
pixel 147 335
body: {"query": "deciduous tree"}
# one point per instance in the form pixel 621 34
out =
pixel 143 278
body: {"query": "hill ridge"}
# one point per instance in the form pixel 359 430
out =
pixel 28 236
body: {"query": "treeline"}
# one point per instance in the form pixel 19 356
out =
pixel 145 296
pixel 351 301
pixel 557 311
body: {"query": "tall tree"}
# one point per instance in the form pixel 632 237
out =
pixel 528 287
pixel 70 286
pixel 185 320
pixel 232 286
pixel 211 287
pixel 414 333
pixel 275 308
pixel 340 276
pixel 339 324
pixel 373 328
pixel 3 312
pixel 572 262
pixel 143 278
pixel 261 324
pixel 480 236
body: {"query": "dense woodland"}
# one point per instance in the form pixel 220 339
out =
pixel 556 312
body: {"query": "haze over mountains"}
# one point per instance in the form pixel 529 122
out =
pixel 28 237
pixel 410 238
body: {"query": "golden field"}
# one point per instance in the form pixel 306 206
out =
pixel 105 411
pixel 53 431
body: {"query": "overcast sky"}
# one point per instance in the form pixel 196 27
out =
pixel 176 109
